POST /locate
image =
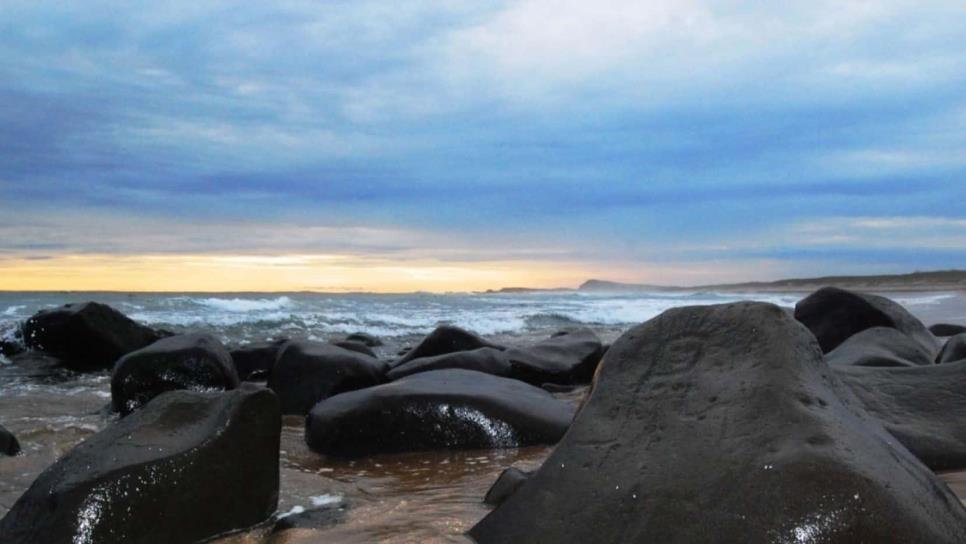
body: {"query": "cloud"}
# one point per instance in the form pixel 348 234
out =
pixel 614 132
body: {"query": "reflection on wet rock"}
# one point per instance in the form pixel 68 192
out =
pixel 458 409
pixel 185 467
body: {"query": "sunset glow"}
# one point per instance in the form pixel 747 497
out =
pixel 324 273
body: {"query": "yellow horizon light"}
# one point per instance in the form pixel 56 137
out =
pixel 267 273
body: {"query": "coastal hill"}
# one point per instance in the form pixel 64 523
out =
pixel 915 281
pixel 938 280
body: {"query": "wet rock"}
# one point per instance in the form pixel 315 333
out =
pixel 558 388
pixel 954 350
pixel 86 336
pixel 879 346
pixel 9 348
pixel 509 481
pixel 834 314
pixel 443 340
pixel 197 362
pixel 724 424
pixel 922 407
pixel 946 329
pixel 255 361
pixel 185 467
pixel 357 347
pixel 487 360
pixel 440 409
pixel 569 358
pixel 307 372
pixel 364 338
pixel 8 442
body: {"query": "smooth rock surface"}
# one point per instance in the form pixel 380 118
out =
pixel 879 346
pixel 357 347
pixel 197 362
pixel 565 358
pixel 255 361
pixel 834 314
pixel 364 338
pixel 487 360
pixel 724 424
pixel 509 481
pixel 954 350
pixel 307 372
pixel 443 340
pixel 946 329
pixel 86 336
pixel 923 407
pixel 185 467
pixel 440 409
pixel 9 445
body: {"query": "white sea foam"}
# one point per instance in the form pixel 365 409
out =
pixel 323 500
pixel 13 310
pixel 925 299
pixel 246 304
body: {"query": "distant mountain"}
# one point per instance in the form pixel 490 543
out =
pixel 935 280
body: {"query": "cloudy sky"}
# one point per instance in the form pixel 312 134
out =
pixel 447 145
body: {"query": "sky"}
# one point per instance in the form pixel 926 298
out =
pixel 449 145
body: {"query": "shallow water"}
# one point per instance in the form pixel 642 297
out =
pixel 418 497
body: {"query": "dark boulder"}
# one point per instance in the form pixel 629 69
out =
pixel 440 409
pixel 307 372
pixel 569 358
pixel 10 347
pixel 364 338
pixel 197 362
pixel 946 329
pixel 724 424
pixel 954 350
pixel 8 442
pixel 488 360
pixel 357 347
pixel 921 406
pixel 86 336
pixel 879 346
pixel 443 340
pixel 255 361
pixel 509 481
pixel 834 314
pixel 185 467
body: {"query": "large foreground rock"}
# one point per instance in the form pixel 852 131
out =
pixel 307 372
pixel 570 357
pixel 441 409
pixel 923 407
pixel 190 361
pixel 879 346
pixel 954 350
pixel 443 340
pixel 487 360
pixel 723 424
pixel 9 445
pixel 834 314
pixel 185 467
pixel 86 336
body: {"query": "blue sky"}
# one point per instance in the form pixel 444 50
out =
pixel 660 140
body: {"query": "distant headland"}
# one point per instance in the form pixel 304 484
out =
pixel 938 280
